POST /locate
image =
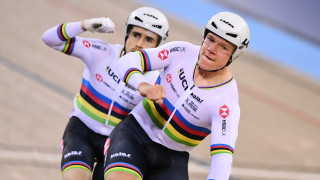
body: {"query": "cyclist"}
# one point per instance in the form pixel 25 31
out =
pixel 195 95
pixel 103 100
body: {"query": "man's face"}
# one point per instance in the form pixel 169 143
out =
pixel 140 38
pixel 215 52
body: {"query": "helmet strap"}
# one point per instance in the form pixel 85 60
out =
pixel 210 70
pixel 227 64
pixel 124 46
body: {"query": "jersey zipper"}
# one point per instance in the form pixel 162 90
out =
pixel 114 95
pixel 178 104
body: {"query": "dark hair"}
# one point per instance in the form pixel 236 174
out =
pixel 129 28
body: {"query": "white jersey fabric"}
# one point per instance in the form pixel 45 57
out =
pixel 101 88
pixel 188 114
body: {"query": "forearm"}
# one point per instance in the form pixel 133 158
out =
pixel 129 69
pixel 61 33
pixel 220 167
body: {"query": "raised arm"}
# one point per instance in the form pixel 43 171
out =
pixel 63 37
pixel 132 66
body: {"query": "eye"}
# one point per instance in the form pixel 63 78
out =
pixel 224 47
pixel 150 40
pixel 211 39
pixel 136 34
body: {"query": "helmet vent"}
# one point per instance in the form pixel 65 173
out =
pixel 157 26
pixel 232 35
pixel 214 25
pixel 245 43
pixel 138 19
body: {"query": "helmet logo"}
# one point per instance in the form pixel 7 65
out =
pixel 163 55
pixel 150 15
pixel 226 22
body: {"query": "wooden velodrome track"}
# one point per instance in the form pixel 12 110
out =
pixel 279 134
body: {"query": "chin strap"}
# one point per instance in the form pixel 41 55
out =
pixel 210 70
pixel 229 62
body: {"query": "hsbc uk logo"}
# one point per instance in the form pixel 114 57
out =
pixel 163 55
pixel 86 43
pixel 224 113
pixel 178 49
pixel 169 78
pixel 99 77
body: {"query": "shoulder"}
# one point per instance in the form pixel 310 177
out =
pixel 179 46
pixel 101 45
pixel 181 43
pixel 100 42
pixel 229 92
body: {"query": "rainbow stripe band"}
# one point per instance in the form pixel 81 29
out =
pixel 221 148
pixel 179 129
pixel 145 61
pixel 210 87
pixel 62 33
pixel 69 46
pixel 124 167
pixel 76 164
pixel 129 73
pixel 96 105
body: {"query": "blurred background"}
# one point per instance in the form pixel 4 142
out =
pixel 278 81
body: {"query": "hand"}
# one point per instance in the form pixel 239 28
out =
pixel 155 93
pixel 101 24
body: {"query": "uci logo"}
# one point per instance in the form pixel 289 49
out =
pixel 112 74
pixel 182 78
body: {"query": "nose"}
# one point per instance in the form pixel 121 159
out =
pixel 212 48
pixel 139 43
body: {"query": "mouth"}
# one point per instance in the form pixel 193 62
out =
pixel 209 58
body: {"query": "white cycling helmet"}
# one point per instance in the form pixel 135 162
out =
pixel 150 19
pixel 232 28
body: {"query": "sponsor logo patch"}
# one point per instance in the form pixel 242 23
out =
pixel 163 55
pixel 224 111
pixel 169 78
pixel 86 43
pixel 177 49
pixel 99 77
pixel 120 154
pixel 72 153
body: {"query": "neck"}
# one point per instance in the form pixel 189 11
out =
pixel 204 78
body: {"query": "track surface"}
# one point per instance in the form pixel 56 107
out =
pixel 279 135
